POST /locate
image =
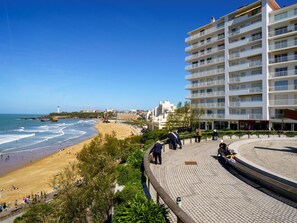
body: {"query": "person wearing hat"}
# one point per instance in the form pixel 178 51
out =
pixel 157 152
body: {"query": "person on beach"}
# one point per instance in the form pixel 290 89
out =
pixel 157 152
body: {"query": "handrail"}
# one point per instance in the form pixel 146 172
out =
pixel 180 214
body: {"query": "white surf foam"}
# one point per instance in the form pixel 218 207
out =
pixel 10 138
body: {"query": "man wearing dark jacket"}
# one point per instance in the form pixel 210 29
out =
pixel 157 152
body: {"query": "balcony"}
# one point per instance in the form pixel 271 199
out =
pixel 283 102
pixel 245 91
pixel 240 43
pixel 243 18
pixel 247 28
pixel 245 116
pixel 245 66
pixel 200 34
pixel 286 73
pixel 206 84
pixel 283 45
pixel 246 104
pixel 290 87
pixel 289 15
pixel 205 63
pixel 202 74
pixel 209 105
pixel 212 116
pixel 205 53
pixel 204 43
pixel 248 78
pixel 246 53
pixel 206 95
pixel 283 59
pixel 289 29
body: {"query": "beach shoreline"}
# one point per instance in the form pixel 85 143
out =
pixel 35 177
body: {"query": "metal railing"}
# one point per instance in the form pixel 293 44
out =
pixel 153 184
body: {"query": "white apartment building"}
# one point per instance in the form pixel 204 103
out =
pixel 243 68
pixel 157 117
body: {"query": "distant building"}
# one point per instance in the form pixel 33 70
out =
pixel 157 117
pixel 242 68
pixel 127 116
pixel 87 111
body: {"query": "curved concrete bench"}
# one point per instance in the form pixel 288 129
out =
pixel 280 184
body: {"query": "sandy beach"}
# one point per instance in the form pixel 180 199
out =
pixel 35 177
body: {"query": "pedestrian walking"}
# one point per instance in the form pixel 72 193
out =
pixel 199 135
pixel 215 135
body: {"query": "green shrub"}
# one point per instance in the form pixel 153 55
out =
pixel 135 158
pixel 127 173
pixel 290 134
pixel 131 191
pixel 140 210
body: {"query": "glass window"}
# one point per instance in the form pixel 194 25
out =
pixel 281 71
pixel 281 58
pixel 281 30
pixel 280 16
pixel 281 85
pixel 281 44
pixel 208 39
pixel 220 25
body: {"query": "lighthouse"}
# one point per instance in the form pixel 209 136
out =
pixel 58 109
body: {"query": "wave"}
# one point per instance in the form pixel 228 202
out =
pixel 10 138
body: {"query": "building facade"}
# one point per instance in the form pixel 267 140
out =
pixel 157 117
pixel 243 68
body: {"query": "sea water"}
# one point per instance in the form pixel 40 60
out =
pixel 18 137
pixel 17 134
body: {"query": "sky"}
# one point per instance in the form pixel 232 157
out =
pixel 95 54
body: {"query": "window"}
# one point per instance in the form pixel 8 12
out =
pixel 295 70
pixel 280 16
pixel 220 25
pixel 221 112
pixel 281 85
pixel 221 36
pixel 256 36
pixel 208 60
pixel 295 84
pixel 281 30
pixel 281 71
pixel 281 44
pixel 221 46
pixel 256 72
pixel 208 39
pixel 281 58
pixel 202 52
pixel 202 42
pixel 202 62
pixel 279 113
pixel 209 50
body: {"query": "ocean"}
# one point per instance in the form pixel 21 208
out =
pixel 21 140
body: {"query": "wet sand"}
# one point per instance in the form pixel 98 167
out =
pixel 35 177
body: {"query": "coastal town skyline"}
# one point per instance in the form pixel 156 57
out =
pixel 96 54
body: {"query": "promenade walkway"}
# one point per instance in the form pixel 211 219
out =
pixel 210 193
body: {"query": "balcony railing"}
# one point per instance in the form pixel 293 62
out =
pixel 246 104
pixel 212 116
pixel 206 52
pixel 247 78
pixel 282 45
pixel 205 63
pixel 205 73
pixel 245 91
pixel 207 94
pixel 284 102
pixel 243 18
pixel 283 59
pixel 204 43
pixel 247 65
pixel 206 84
pixel 285 73
pixel 206 31
pixel 246 53
pixel 209 105
pixel 283 31
pixel 246 28
pixel 290 87
pixel 240 42
pixel 290 14
pixel 237 116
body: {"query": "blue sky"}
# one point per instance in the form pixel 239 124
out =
pixel 93 54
